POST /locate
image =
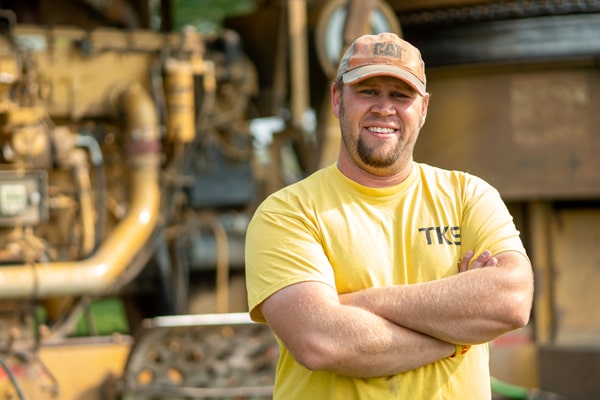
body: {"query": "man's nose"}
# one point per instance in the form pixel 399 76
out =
pixel 383 107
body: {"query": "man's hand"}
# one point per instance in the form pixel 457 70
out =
pixel 485 259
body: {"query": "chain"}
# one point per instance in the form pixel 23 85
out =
pixel 498 10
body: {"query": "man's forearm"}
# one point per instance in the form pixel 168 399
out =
pixel 472 307
pixel 389 350
pixel 322 334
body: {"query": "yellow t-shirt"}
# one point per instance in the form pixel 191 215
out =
pixel 329 228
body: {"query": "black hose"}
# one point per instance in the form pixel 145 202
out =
pixel 13 380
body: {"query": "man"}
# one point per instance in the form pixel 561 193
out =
pixel 384 278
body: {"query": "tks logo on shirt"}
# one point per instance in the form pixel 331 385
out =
pixel 442 235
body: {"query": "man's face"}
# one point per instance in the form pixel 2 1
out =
pixel 380 119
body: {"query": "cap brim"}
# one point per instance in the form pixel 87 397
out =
pixel 369 71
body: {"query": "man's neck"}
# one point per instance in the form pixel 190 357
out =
pixel 375 178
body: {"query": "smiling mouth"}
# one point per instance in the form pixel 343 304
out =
pixel 375 129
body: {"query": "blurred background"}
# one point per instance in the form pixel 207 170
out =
pixel 137 138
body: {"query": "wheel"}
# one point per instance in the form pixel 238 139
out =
pixel 329 30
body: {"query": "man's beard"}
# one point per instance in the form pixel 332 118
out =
pixel 370 156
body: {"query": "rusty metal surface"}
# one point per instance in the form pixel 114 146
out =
pixel 574 238
pixel 528 130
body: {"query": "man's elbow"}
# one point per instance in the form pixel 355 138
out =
pixel 519 311
pixel 314 354
pixel 310 360
pixel 325 355
pixel 520 299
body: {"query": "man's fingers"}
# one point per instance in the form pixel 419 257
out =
pixel 485 259
pixel 464 264
pixel 492 262
pixel 481 261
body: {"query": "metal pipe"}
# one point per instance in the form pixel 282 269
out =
pixel 179 88
pixel 81 173
pixel 222 265
pixel 539 219
pixel 95 155
pixel 95 274
pixel 204 251
pixel 297 20
pixel 358 20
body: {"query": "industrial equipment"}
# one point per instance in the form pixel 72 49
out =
pixel 127 167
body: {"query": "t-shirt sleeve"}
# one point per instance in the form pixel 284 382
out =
pixel 487 223
pixel 282 248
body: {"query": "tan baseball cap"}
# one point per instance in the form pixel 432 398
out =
pixel 385 54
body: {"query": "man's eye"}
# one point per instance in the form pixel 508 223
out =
pixel 368 91
pixel 403 95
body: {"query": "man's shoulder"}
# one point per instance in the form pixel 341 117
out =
pixel 452 182
pixel 435 170
pixel 301 191
pixel 431 172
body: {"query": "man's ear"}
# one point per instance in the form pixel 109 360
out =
pixel 424 108
pixel 335 99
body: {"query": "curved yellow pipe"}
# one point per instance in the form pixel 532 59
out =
pixel 96 273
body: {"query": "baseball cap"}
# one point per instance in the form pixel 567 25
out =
pixel 385 54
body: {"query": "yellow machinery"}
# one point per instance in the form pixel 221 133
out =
pixel 126 167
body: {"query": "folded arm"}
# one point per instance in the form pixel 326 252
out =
pixel 475 306
pixel 323 334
